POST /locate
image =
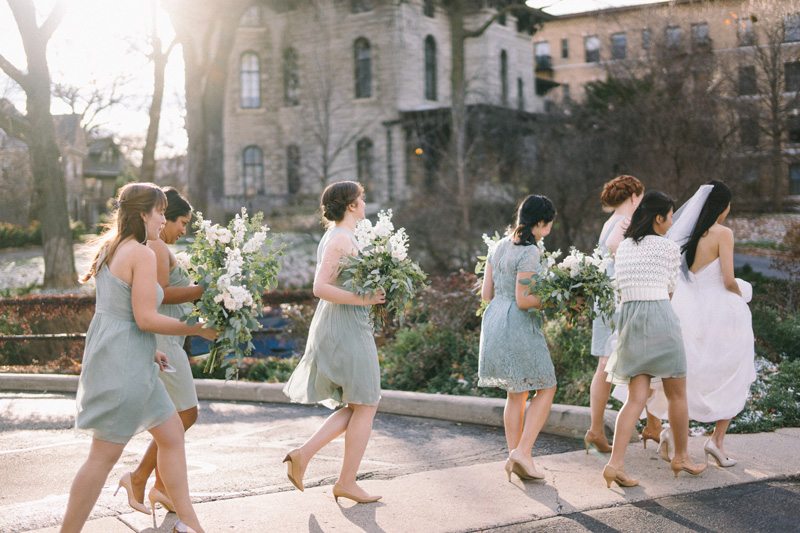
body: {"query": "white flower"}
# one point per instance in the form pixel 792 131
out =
pixel 398 245
pixel 384 227
pixel 233 261
pixel 215 233
pixel 239 228
pixel 255 243
pixel 235 297
pixel 183 260
pixel 364 234
pixel 492 242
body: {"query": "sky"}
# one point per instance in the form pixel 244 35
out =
pixel 101 41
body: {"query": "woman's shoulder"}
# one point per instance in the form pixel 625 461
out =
pixel 718 231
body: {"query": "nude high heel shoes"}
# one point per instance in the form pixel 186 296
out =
pixel 598 442
pixel 125 483
pixel 339 492
pixel 653 435
pixel 685 465
pixel 293 470
pixel 618 476
pixel 711 449
pixel 665 443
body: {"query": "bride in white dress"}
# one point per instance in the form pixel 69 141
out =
pixel 715 320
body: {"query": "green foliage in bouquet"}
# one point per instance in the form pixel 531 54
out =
pixel 577 287
pixel 382 264
pixel 480 267
pixel 234 265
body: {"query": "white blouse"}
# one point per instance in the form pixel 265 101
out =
pixel 647 270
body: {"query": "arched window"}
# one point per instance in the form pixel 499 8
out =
pixel 250 79
pixel 504 77
pixel 293 168
pixel 291 77
pixel 428 9
pixel 520 94
pixel 430 68
pixel 253 171
pixel 364 162
pixel 363 61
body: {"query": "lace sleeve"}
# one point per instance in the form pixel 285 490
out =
pixel 673 265
pixel 529 260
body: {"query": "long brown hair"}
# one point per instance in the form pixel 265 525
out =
pixel 133 200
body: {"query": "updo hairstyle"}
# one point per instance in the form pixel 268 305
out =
pixel 177 205
pixel 618 190
pixel 337 197
pixel 533 209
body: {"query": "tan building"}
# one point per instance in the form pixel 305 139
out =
pixel 573 50
pixel 317 94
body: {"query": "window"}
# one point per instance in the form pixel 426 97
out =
pixel 251 17
pixel 541 52
pixel 700 35
pixel 520 95
pixel 504 77
pixel 791 28
pixel 592 47
pixel 794 179
pixel 427 8
pixel 360 6
pixel 747 80
pixel 791 73
pixel 793 126
pixel 253 171
pixel 748 130
pixel 250 78
pixel 564 48
pixel 674 34
pixel 619 46
pixel 291 78
pixel 293 168
pixel 364 163
pixel 646 39
pixel 363 60
pixel 744 32
pixel 430 68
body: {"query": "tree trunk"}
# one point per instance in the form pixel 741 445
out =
pixel 458 108
pixel 148 171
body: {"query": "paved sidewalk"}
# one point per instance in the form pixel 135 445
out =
pixel 477 496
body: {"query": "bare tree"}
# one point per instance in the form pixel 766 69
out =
pixel 91 101
pixel 38 131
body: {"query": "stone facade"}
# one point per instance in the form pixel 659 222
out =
pixel 321 131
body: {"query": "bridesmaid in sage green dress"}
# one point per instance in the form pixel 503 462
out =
pixel 119 393
pixel 513 350
pixel 178 292
pixel 340 364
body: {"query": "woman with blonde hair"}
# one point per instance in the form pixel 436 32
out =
pixel 119 393
pixel 340 366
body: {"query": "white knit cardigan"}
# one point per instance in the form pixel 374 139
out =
pixel 647 270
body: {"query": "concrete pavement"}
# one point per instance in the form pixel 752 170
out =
pixel 478 496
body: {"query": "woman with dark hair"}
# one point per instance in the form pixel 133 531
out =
pixel 340 364
pixel 620 196
pixel 650 344
pixel 513 350
pixel 712 308
pixel 178 292
pixel 119 393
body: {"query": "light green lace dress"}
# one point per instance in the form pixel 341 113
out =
pixel 119 393
pixel 513 351
pixel 340 364
pixel 179 384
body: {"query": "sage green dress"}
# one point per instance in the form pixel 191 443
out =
pixel 340 364
pixel 513 351
pixel 179 384
pixel 119 393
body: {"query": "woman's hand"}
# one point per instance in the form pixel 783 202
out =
pixel 161 359
pixel 208 334
pixel 376 298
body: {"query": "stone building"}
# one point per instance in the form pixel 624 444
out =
pixel 573 50
pixel 322 91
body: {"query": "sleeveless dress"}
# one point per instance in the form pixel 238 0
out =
pixel 179 384
pixel 119 393
pixel 602 334
pixel 720 348
pixel 340 363
pixel 513 351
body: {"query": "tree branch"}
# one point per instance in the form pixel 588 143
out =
pixel 13 72
pixel 505 10
pixel 53 20
pixel 12 121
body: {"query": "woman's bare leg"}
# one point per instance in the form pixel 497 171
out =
pixel 599 392
pixel 514 417
pixel 356 438
pixel 638 390
pixel 675 390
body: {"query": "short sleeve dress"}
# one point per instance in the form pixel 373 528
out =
pixel 119 393
pixel 513 351
pixel 340 363
pixel 602 333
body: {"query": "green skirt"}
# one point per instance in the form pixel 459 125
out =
pixel 650 343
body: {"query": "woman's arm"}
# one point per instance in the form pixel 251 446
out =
pixel 143 300
pixel 172 295
pixel 487 287
pixel 325 279
pixel 726 260
pixel 617 235
pixel 526 301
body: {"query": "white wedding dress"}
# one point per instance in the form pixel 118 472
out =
pixel 718 336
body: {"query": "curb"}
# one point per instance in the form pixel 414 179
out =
pixel 564 420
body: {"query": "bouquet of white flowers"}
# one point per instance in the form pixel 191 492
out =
pixel 480 267
pixel 382 264
pixel 576 287
pixel 234 270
